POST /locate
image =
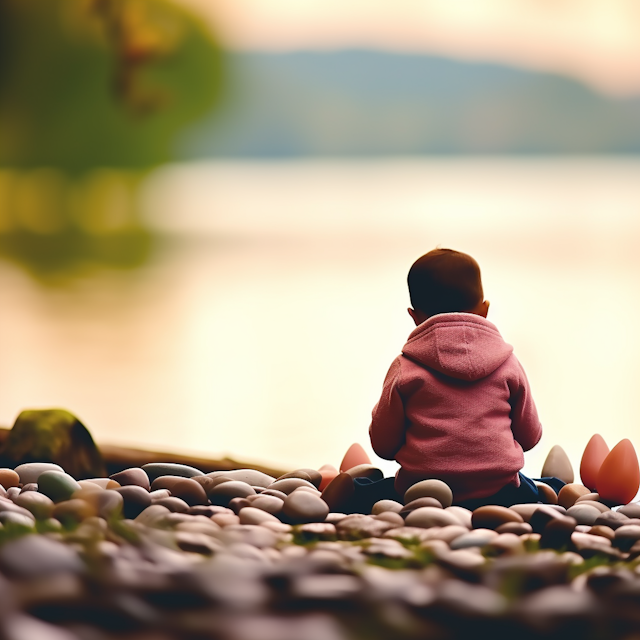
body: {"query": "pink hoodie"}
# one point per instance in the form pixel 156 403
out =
pixel 456 405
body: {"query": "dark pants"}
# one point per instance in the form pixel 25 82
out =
pixel 368 492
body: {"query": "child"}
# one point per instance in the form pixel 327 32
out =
pixel 456 405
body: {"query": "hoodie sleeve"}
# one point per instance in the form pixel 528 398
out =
pixel 525 423
pixel 387 430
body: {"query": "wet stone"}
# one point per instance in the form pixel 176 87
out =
pixel 426 517
pixel 135 500
pixel 30 471
pixel 57 485
pixel 133 475
pixel 157 469
pixel 430 489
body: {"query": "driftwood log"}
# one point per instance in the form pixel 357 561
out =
pixel 120 458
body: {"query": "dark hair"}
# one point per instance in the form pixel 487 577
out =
pixel 444 281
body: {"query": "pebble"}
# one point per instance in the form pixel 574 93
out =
pixel 359 527
pixel 584 513
pixel 390 516
pixel 270 504
pixel 36 503
pixel 158 494
pixel 386 505
pixel 251 476
pixel 190 491
pixel 339 491
pixel 475 538
pixel 135 500
pixel 133 475
pixel 16 518
pixel 30 486
pixel 223 493
pixel 419 502
pixel 611 519
pixel 426 517
pixel 570 493
pixel 557 532
pixel 463 515
pixel 174 504
pixel 30 471
pixel 365 471
pixel 71 512
pixel 237 504
pixel 430 489
pixel 34 555
pixel 301 507
pixel 595 497
pixel 631 510
pixel 602 530
pixel 9 478
pixel 288 485
pixel 542 516
pixel 102 483
pixel 152 514
pixel 517 528
pixel 57 485
pixel 492 516
pixel 251 515
pixel 626 536
pixel 545 493
pixel 310 475
pixel 156 469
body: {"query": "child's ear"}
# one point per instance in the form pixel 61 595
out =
pixel 484 308
pixel 416 316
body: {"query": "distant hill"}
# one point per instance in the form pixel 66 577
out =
pixel 369 103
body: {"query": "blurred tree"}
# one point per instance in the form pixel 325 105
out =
pixel 92 94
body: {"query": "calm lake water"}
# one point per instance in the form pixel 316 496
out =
pixel 265 327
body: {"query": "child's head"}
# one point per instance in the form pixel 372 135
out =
pixel 444 281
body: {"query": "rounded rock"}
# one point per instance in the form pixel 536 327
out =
pixel 419 502
pixel 36 503
pixel 251 515
pixel 135 500
pixel 190 491
pixel 584 513
pixel 30 471
pixel 157 469
pixel 289 484
pixel 302 507
pixel 252 477
pixel 71 512
pixel 631 510
pixel 430 489
pixel 270 504
pixel 365 471
pixel 492 516
pixel 224 492
pixel 475 538
pixel 57 485
pixel 133 475
pixel 9 478
pixel 386 505
pixel 517 528
pixel 462 514
pixel 173 504
pixel 103 483
pixel 313 476
pixel 339 491
pixel 427 517
pixel 570 493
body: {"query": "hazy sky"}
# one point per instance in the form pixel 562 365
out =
pixel 596 40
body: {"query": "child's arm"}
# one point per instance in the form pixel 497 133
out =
pixel 525 423
pixel 388 420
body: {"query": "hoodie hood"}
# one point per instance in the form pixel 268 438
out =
pixel 460 345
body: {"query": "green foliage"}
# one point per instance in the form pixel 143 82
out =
pixel 73 96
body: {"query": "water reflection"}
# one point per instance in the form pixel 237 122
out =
pixel 55 225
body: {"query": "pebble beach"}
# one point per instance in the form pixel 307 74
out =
pixel 166 552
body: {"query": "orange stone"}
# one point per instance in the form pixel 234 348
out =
pixel 619 475
pixel 328 473
pixel 355 455
pixel 9 478
pixel 594 454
